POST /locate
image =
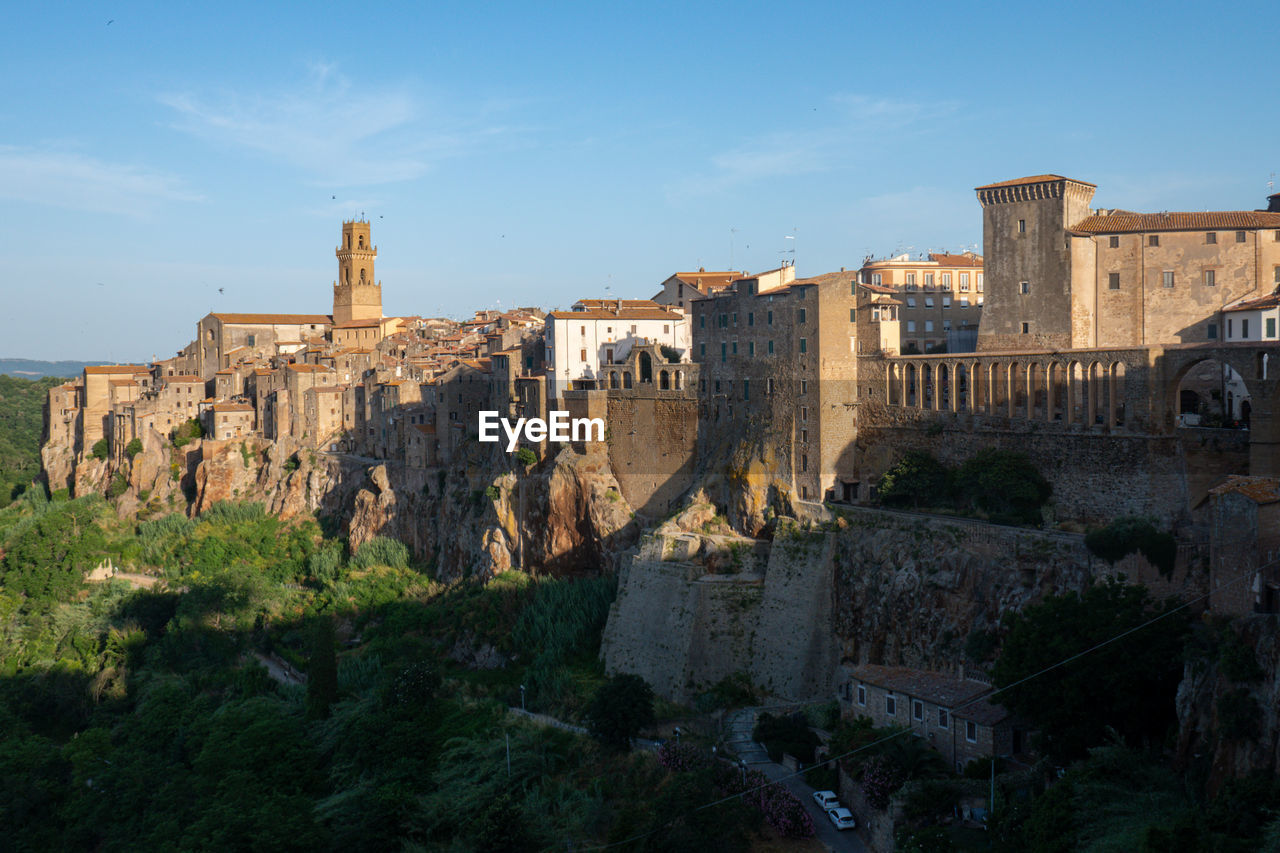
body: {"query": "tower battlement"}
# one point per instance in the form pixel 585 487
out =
pixel 357 294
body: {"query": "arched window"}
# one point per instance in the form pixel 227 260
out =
pixel 646 367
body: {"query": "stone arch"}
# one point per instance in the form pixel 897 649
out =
pixel 1116 387
pixel 646 367
pixel 626 379
pixel 613 379
pixel 664 380
pixel 1035 392
pixel 679 379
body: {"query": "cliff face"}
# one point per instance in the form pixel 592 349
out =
pixel 1229 712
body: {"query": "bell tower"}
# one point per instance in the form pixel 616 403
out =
pixel 357 295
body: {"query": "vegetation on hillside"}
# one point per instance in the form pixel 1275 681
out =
pixel 1002 485
pixel 21 422
pixel 276 692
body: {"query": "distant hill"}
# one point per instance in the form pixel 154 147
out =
pixel 26 368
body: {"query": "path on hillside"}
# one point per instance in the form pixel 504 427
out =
pixel 280 669
pixel 547 720
pixel 739 725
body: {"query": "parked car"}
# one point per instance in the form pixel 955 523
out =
pixel 826 800
pixel 842 818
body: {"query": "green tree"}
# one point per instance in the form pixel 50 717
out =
pixel 133 448
pixel 620 708
pixel 1127 535
pixel 918 479
pixel 322 673
pixel 1127 686
pixel 1004 484
pixel 100 449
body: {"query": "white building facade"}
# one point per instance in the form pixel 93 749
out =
pixel 598 332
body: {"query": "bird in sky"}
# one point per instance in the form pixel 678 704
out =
pixel 219 289
pixel 100 284
pixel 110 22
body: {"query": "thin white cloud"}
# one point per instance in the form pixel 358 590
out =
pixel 79 182
pixel 860 124
pixel 336 131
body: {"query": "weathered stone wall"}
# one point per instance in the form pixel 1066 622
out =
pixel 652 440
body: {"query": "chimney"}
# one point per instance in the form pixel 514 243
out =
pixel 1273 203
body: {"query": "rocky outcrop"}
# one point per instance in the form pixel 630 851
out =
pixel 1229 715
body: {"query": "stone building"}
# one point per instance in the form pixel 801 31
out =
pixel 940 293
pixel 582 342
pixel 781 361
pixel 357 295
pixel 948 713
pixel 682 288
pixel 104 387
pixel 226 421
pixel 1062 276
pixel 1244 559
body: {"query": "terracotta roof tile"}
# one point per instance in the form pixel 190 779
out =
pixel 1263 490
pixel 945 260
pixel 1034 179
pixel 935 687
pixel 223 408
pixel 1254 304
pixel 1131 223
pixel 274 319
pixel 98 369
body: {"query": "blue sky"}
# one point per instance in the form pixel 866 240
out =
pixel 523 154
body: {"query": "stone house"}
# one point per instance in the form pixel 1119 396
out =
pixel 682 288
pixel 229 421
pixel 1244 549
pixel 949 713
pixel 939 293
pixel 581 342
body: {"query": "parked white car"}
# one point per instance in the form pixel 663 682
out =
pixel 842 818
pixel 826 800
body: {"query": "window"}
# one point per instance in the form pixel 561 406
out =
pixel 928 279
pixel 769 385
pixel 928 325
pixel 804 436
pixel 911 325
pixel 1024 287
pixel 583 355
pixel 964 281
pixel 584 330
pixel 890 705
pixel 862 695
pixel 1211 237
pixel 801 316
pixel 1153 239
pixel 1230 330
pixel 946 302
pixel 751 318
pixel 666 329
pixel 804 413
pixel 1244 328
pixel 769 318
pixel 1239 236
pixel 804 462
pixel 804 345
pixel 1026 328
pixel 771 347
pixel 1271 327
pixel 911 278
pixel 1167 278
pixel 1113 281
pixel 944 718
pixel 853 315
pixel 875 278
pixel 946 325
pixel 917 710
pixel 1113 242
pixel 751 348
pixel 804 386
pixel 964 303
pixel 911 300
pixel 1022 226
pixel 702 350
pixel 1210 278
pixel 735 347
pixel 946 281
pixel 702 321
pixel 746 389
pixel 928 302
pixel 971 731
pixel 1213 331
pixel 979 282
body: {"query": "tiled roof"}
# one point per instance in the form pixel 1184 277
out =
pixel 115 368
pixel 984 712
pixel 308 368
pixel 1034 179
pixel 655 313
pixel 1262 490
pixel 1254 304
pixel 940 689
pixel 1130 223
pixel 612 304
pixel 272 319
pixel 957 260
pixel 877 288
pixel 222 408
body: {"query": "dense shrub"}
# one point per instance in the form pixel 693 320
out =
pixel 917 480
pixel 1004 484
pixel 233 512
pixel 1128 535
pixel 789 734
pixel 133 448
pixel 621 707
pixel 100 449
pixel 381 551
